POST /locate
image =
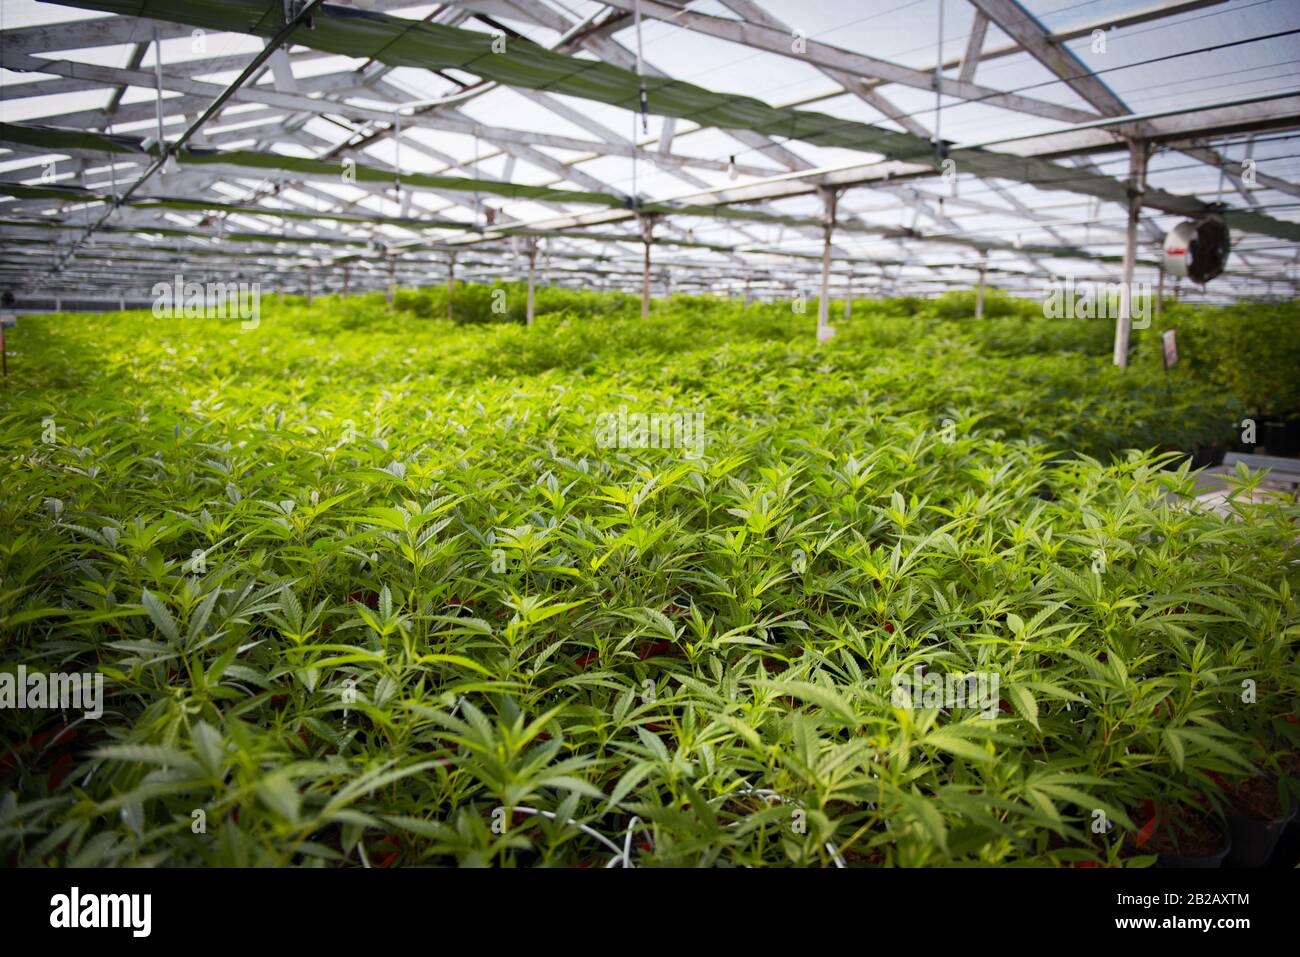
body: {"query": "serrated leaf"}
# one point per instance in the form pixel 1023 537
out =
pixel 160 616
pixel 1022 699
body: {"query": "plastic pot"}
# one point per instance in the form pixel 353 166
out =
pixel 1208 456
pixel 1287 851
pixel 1254 839
pixel 1280 437
pixel 1204 860
pixel 1197 856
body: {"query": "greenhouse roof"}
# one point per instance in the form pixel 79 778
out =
pixel 385 140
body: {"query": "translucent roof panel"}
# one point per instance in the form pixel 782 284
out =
pixel 433 130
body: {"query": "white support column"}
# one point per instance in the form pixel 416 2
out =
pixel 1138 152
pixel 666 132
pixel 647 239
pixel 979 296
pixel 451 283
pixel 824 328
pixel 532 275
pixel 158 85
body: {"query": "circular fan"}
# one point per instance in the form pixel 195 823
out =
pixel 1197 249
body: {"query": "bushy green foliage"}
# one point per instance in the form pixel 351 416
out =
pixel 960 304
pixel 1252 351
pixel 477 304
pixel 363 585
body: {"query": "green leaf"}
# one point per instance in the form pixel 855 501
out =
pixel 278 793
pixel 209 747
pixel 160 616
pixel 1022 699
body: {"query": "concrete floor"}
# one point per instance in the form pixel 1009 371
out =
pixel 1213 485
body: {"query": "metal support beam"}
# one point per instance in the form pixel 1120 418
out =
pixel 974 45
pixel 1160 293
pixel 451 285
pixel 1023 27
pixel 647 240
pixel 759 37
pixel 266 114
pixel 532 275
pixel 825 331
pixel 1138 153
pixel 165 150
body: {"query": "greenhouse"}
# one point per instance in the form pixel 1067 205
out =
pixel 649 434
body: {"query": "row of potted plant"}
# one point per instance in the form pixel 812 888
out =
pixel 374 593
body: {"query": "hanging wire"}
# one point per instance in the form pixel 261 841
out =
pixel 397 157
pixel 938 89
pixel 478 201
pixel 643 102
pixel 640 71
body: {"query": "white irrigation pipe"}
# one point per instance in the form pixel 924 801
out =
pixel 620 852
pixel 624 854
pixel 627 846
pixel 769 795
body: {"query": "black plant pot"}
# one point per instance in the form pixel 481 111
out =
pixel 1215 859
pixel 1254 839
pixel 1205 860
pixel 1208 456
pixel 1280 437
pixel 1287 851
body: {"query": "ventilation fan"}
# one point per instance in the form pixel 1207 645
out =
pixel 1197 249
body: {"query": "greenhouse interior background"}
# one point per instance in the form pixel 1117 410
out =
pixel 649 434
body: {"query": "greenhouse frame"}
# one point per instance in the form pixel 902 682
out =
pixel 253 164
